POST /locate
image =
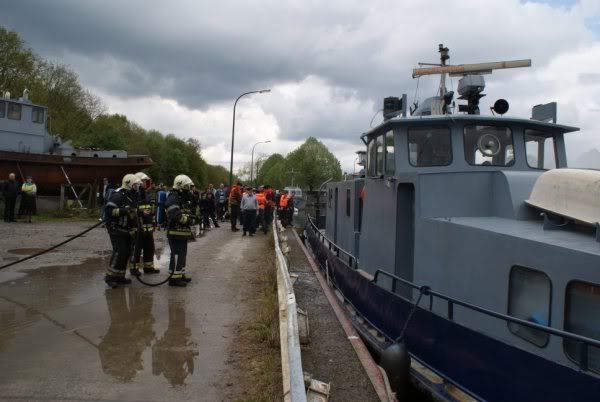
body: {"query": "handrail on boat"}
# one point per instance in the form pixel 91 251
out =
pixel 352 260
pixel 584 342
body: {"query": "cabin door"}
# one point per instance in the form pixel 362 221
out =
pixel 405 235
pixel 335 216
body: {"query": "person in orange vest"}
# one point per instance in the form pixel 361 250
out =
pixel 283 205
pixel 270 196
pixel 235 199
pixel 261 198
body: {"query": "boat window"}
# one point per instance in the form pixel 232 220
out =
pixel 347 202
pixel 489 146
pixel 2 109
pixel 541 152
pixel 529 297
pixel 14 111
pixel 37 114
pixel 429 146
pixel 380 154
pixel 581 317
pixel 390 162
pixel 371 155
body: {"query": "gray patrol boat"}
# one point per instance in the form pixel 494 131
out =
pixel 470 242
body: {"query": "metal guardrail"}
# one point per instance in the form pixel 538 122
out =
pixel 291 361
pixel 584 342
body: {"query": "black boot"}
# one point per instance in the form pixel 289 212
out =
pixel 135 272
pixel 180 282
pixel 123 281
pixel 111 280
pixel 151 270
pixel 187 279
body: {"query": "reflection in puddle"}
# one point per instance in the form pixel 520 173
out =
pixel 129 334
pixel 173 355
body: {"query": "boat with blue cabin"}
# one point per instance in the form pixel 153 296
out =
pixel 469 241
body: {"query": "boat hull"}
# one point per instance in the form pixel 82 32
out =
pixel 482 366
pixel 48 175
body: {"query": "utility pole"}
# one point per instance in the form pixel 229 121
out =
pixel 292 173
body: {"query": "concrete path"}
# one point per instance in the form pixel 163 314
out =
pixel 64 336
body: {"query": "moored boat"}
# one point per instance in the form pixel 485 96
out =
pixel 28 149
pixel 458 220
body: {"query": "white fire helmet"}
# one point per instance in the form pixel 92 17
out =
pixel 182 182
pixel 131 182
pixel 142 176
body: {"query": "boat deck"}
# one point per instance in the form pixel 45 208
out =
pixel 575 238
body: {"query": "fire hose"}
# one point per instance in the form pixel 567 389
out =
pixel 78 235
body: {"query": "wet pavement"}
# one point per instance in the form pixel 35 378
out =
pixel 65 336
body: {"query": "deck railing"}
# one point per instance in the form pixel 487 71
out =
pixel 584 342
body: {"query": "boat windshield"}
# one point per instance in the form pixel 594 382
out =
pixel 489 146
pixel 541 149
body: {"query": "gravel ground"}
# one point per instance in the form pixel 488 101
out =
pixel 329 357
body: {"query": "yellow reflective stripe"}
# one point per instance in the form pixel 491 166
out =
pixel 177 275
pixel 183 219
pixel 179 233
pixel 115 212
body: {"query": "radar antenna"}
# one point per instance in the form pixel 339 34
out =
pixel 471 84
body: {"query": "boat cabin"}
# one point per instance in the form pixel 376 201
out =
pixel 23 125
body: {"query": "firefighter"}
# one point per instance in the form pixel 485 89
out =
pixel 261 199
pixel 179 221
pixel 145 236
pixel 121 224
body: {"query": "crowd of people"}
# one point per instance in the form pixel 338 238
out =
pixel 133 211
pixel 11 191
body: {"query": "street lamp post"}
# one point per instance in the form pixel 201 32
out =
pixel 233 130
pixel 252 160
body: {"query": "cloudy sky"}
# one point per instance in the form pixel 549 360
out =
pixel 178 66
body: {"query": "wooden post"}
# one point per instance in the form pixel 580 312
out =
pixel 93 195
pixel 61 206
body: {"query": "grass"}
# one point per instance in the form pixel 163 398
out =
pixel 67 215
pixel 263 333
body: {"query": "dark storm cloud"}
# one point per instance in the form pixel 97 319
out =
pixel 195 66
pixel 202 53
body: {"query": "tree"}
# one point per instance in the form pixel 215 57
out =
pixel 17 64
pixel 313 164
pixel 272 171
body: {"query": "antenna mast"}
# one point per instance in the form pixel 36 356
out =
pixel 444 55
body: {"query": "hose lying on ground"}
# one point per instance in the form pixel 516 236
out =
pixel 51 248
pixel 71 239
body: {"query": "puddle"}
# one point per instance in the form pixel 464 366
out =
pixel 27 251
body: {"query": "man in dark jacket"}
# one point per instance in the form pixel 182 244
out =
pixel 10 190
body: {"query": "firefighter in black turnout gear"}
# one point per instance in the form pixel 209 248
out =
pixel 145 236
pixel 121 223
pixel 179 221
